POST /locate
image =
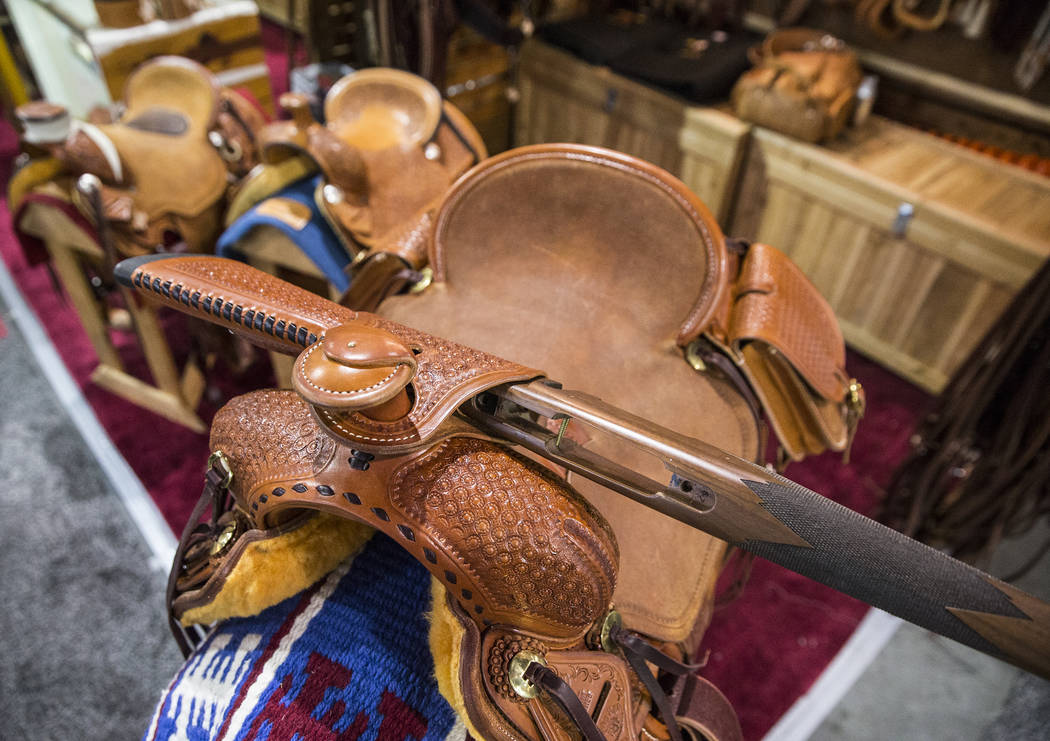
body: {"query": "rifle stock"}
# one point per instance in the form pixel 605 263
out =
pixel 728 497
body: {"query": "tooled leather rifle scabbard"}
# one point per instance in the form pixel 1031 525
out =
pixel 709 489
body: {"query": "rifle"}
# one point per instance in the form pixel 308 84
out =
pixel 738 501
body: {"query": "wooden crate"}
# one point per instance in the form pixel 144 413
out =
pixel 476 83
pixel 277 11
pixel 564 99
pixel 916 294
pixel 225 39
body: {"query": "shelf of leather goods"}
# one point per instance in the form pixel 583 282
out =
pixel 564 99
pixel 917 243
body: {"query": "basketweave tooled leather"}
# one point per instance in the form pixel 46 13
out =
pixel 777 304
pixel 284 461
pixel 160 172
pixel 598 266
pixel 389 150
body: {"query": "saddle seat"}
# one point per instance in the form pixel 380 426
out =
pixel 598 268
pixel 162 138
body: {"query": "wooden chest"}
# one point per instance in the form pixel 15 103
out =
pixel 224 38
pixel 917 243
pixel 476 83
pixel 564 99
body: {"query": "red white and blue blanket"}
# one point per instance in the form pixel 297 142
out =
pixel 346 659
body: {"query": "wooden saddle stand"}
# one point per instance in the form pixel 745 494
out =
pixel 156 177
pixel 528 557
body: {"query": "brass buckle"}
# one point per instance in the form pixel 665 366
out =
pixel 516 673
pixel 219 460
pixel 427 277
pixel 612 621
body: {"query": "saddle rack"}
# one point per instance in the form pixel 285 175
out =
pixel 174 394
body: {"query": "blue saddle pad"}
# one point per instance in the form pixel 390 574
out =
pixel 346 659
pixel 294 211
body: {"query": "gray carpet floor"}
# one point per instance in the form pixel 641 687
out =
pixel 83 639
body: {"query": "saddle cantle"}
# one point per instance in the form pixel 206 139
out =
pixel 388 151
pixel 165 164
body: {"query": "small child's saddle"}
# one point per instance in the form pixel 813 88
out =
pixel 164 165
pixel 388 151
pixel 561 609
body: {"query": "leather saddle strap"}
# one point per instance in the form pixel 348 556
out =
pixel 216 481
pixel 702 706
pixel 556 688
pixel 91 190
pixel 639 654
pixel 459 135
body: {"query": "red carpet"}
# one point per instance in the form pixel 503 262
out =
pixel 766 648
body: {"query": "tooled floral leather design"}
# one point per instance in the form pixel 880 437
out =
pixel 601 682
pixel 588 677
pixel 492 509
pixel 269 434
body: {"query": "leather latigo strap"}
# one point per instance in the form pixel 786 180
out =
pixel 234 295
pixel 784 337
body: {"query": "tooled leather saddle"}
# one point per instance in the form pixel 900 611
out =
pixel 557 597
pixel 388 151
pixel 163 166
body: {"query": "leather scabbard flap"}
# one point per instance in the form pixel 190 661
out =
pixel 789 345
pixel 354 366
pixel 279 316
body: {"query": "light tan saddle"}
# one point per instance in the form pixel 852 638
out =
pixel 593 265
pixel 164 165
pixel 389 150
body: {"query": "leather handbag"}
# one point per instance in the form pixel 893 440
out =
pixel 803 84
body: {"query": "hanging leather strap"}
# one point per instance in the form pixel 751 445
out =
pixel 556 689
pixel 702 707
pixel 216 483
pixel 639 655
